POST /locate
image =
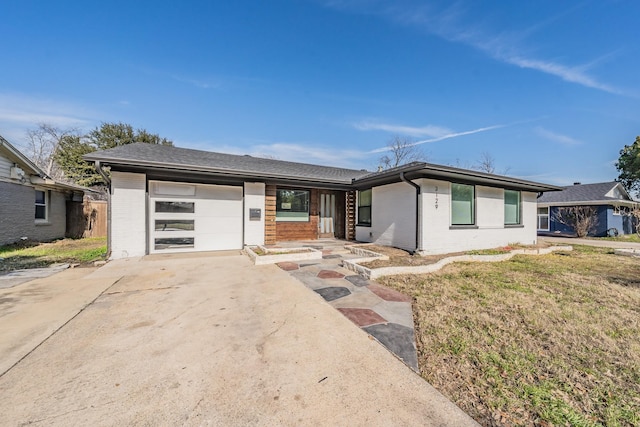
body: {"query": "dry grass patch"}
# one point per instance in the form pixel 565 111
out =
pixel 536 340
pixel 400 257
pixel 35 255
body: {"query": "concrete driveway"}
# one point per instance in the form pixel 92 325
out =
pixel 208 340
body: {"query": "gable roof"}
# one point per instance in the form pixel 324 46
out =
pixel 23 161
pixel 36 175
pixel 168 157
pixel 592 194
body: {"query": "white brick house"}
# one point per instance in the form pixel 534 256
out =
pixel 168 199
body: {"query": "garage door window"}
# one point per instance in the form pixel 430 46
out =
pixel 292 205
pixel 174 225
pixel 175 207
pixel 174 243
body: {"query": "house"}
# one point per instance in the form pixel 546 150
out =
pixel 610 200
pixel 32 205
pixel 167 199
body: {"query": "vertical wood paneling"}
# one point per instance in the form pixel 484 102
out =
pixel 270 215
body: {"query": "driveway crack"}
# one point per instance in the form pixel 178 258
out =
pixel 61 326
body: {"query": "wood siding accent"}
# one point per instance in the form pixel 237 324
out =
pixel 350 197
pixel 270 215
pixel 300 230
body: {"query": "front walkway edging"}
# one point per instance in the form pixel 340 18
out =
pixel 627 252
pixel 374 273
pixel 282 255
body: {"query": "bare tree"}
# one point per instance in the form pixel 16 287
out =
pixel 635 213
pixel 401 151
pixel 488 164
pixel 581 219
pixel 42 145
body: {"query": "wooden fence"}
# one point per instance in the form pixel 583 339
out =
pixel 87 219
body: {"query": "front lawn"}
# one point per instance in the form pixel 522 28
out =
pixel 634 238
pixel 536 340
pixel 35 255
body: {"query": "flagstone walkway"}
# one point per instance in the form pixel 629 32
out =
pixel 383 313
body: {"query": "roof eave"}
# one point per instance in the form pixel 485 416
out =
pixel 156 166
pixel 425 170
pixel 612 202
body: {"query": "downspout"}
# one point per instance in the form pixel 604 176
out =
pixel 107 180
pixel 418 190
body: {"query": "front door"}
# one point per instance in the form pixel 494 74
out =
pixel 327 223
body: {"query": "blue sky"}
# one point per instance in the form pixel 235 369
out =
pixel 549 89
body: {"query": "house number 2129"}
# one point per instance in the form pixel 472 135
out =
pixel 436 197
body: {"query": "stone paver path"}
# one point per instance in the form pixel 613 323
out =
pixel 383 313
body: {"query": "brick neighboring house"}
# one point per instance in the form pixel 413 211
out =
pixel 167 199
pixel 32 205
pixel 610 200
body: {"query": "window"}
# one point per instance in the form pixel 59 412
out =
pixel 292 205
pixel 511 207
pixel 364 207
pixel 543 219
pixel 41 205
pixel 174 243
pixel 617 210
pixel 174 225
pixel 175 207
pixel 462 204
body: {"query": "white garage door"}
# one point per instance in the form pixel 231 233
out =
pixel 194 217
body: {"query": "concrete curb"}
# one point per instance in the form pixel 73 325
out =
pixel 372 274
pixel 627 252
pixel 283 255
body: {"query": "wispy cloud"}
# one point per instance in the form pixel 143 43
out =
pixel 199 83
pixel 21 109
pixel 302 152
pixel 443 137
pixel 420 131
pixel 18 113
pixel 556 137
pixel 448 23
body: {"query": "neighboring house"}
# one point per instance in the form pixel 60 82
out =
pixel 168 199
pixel 32 205
pixel 610 200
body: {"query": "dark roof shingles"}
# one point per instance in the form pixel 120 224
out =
pixel 168 155
pixel 580 193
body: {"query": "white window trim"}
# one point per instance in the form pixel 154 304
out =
pixel 617 210
pixel 548 208
pixel 44 220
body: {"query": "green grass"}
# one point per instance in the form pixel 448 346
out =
pixel 496 251
pixel 80 251
pixel 536 340
pixel 635 238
